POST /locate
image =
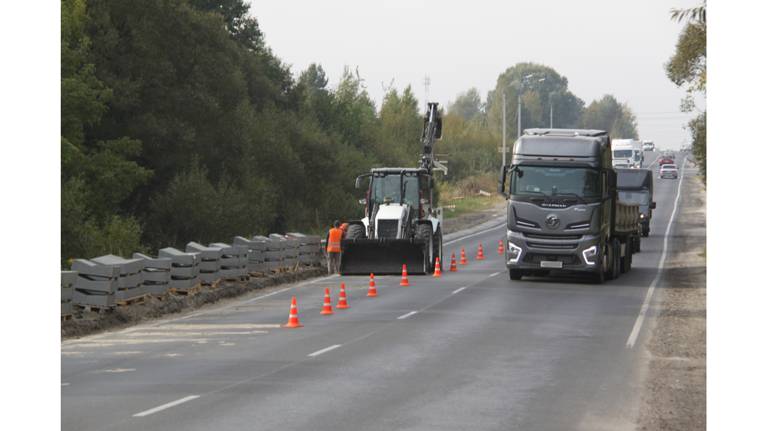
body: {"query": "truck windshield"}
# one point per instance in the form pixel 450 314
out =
pixel 553 181
pixel 633 197
pixel 622 154
pixel 386 189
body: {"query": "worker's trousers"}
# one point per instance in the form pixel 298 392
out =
pixel 334 260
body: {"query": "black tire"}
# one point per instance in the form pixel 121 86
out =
pixel 608 263
pixel 515 274
pixel 598 277
pixel 424 231
pixel 616 270
pixel 355 231
pixel 437 242
pixel 626 261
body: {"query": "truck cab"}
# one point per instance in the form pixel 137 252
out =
pixel 635 186
pixel 562 202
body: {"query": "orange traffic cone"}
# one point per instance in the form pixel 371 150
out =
pixel 293 316
pixel 438 272
pixel 327 308
pixel 463 257
pixel 372 288
pixel 342 298
pixel 501 247
pixel 453 262
pixel 480 255
pixel 404 279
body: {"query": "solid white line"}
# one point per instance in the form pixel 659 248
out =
pixel 321 351
pixel 458 290
pixel 646 303
pixel 166 406
pixel 475 234
pixel 407 315
pixel 65 384
pixel 265 296
pixel 494 274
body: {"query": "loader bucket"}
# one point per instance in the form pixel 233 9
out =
pixel 382 256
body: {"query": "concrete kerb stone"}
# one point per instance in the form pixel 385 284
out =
pixel 210 262
pixel 68 280
pixel 185 268
pixel 156 275
pixel 96 284
pixel 129 283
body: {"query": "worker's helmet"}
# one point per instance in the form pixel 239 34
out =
pixel 336 223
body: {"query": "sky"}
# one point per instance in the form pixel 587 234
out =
pixel 614 47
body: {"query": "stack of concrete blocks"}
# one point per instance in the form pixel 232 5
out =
pixel 310 252
pixel 274 252
pixel 256 251
pixel 129 285
pixel 185 269
pixel 210 262
pixel 156 276
pixel 96 284
pixel 68 280
pixel 234 261
pixel 290 250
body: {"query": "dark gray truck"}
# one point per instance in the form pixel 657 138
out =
pixel 636 187
pixel 563 211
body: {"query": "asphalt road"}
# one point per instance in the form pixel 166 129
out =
pixel 471 350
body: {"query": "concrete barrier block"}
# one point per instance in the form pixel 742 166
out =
pixel 156 276
pixel 68 280
pixel 93 298
pixel 178 258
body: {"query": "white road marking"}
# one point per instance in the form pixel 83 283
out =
pixel 129 352
pixel 117 370
pixel 407 315
pixel 649 294
pixel 137 335
pixel 212 326
pixel 475 234
pixel 64 384
pixel 494 274
pixel 458 290
pixel 326 350
pixel 166 406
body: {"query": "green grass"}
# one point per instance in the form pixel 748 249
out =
pixel 468 205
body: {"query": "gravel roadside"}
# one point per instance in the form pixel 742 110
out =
pixel 674 394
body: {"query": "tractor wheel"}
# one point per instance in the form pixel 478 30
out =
pixel 424 231
pixel 356 231
pixel 438 246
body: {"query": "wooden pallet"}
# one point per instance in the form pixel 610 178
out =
pixel 186 292
pixel 87 308
pixel 131 301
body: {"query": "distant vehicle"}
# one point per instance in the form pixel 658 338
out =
pixel 627 153
pixel 563 212
pixel 635 186
pixel 668 171
pixel 648 146
pixel 666 161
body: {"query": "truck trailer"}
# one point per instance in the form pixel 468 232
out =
pixel 563 211
pixel 636 187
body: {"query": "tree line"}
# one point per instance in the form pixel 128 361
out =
pixel 179 123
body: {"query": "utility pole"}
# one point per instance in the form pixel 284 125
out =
pixel 503 127
pixel 550 112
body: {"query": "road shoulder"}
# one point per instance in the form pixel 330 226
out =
pixel 674 391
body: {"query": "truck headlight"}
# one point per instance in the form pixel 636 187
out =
pixel 513 252
pixel 642 215
pixel 590 255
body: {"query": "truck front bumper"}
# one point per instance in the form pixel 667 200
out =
pixel 579 253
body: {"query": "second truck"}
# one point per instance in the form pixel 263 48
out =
pixel 563 210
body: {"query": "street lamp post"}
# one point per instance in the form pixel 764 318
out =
pixel 522 83
pixel 525 80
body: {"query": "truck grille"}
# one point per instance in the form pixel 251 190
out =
pixel 552 236
pixel 387 229
pixel 567 259
pixel 551 246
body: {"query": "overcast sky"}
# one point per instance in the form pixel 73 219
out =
pixel 601 46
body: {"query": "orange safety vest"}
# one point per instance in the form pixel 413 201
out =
pixel 334 240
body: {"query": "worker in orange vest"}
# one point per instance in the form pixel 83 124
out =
pixel 334 247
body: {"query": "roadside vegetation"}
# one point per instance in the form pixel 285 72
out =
pixel 687 68
pixel 179 123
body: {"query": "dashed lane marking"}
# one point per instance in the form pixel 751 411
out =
pixel 458 290
pixel 407 315
pixel 326 350
pixel 166 406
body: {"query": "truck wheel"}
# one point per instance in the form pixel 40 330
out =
pixel 608 261
pixel 438 244
pixel 598 277
pixel 424 231
pixel 356 231
pixel 616 270
pixel 515 274
pixel 626 261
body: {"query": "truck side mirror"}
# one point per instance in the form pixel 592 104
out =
pixel 502 180
pixel 653 205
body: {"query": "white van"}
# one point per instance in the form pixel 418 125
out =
pixel 627 153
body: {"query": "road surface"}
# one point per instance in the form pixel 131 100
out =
pixel 469 351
